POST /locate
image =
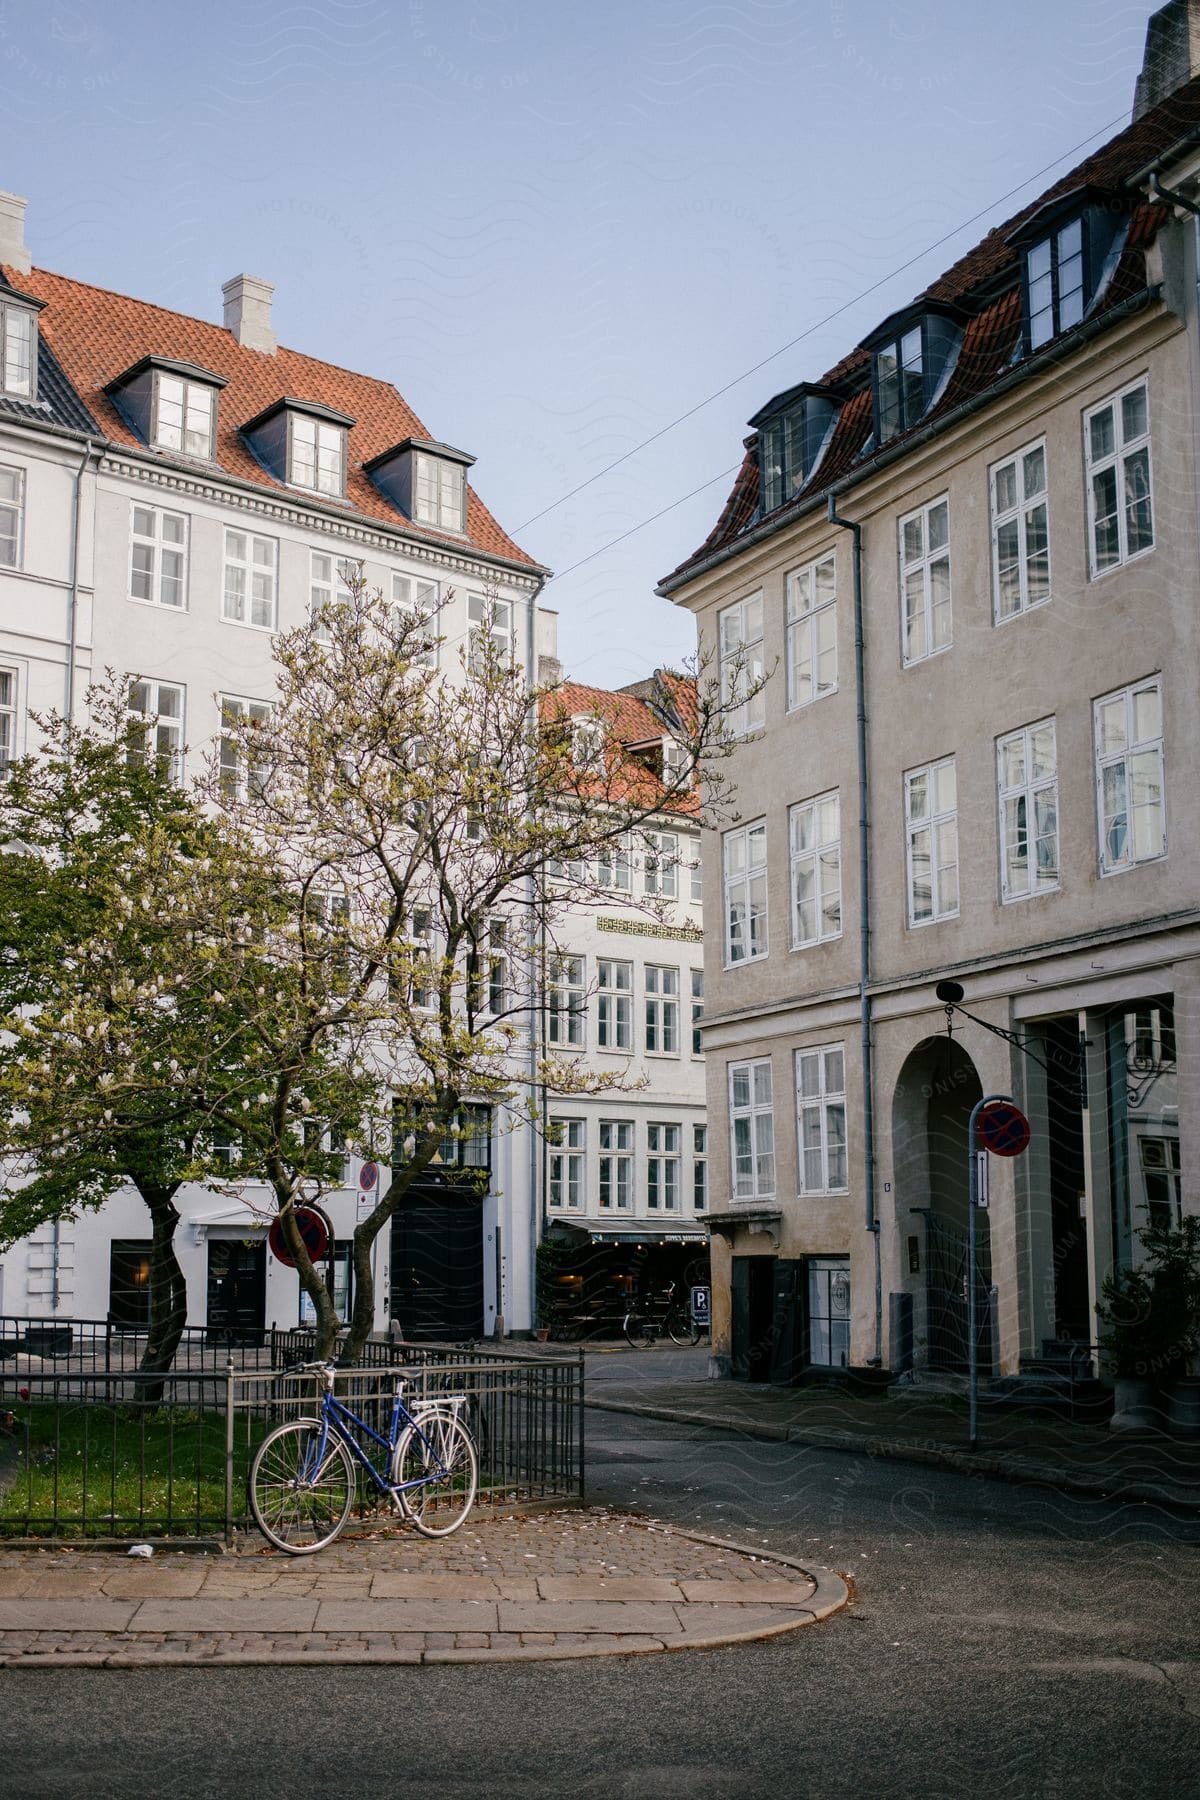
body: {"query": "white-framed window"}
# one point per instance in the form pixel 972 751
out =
pixel 662 1168
pixel 589 739
pixel 184 415
pixel 18 351
pixel 158 556
pixel 740 654
pixel 751 1131
pixel 613 862
pixel 676 762
pixel 697 1011
pixel 614 1005
pixel 815 835
pixel 8 719
pixel 332 581
pixel 416 596
pixel 487 971
pixel 161 704
pixel 420 945
pixel 745 858
pixel 700 1168
pixel 616 1164
pixel 812 670
pixel 1027 789
pixel 241 773
pixel 821 1119
pixel 439 492
pixel 316 455
pixel 1020 533
pixel 327 912
pixel 568 1162
pixel 926 624
pixel 1116 444
pixel 566 1003
pixel 489 618
pixel 662 1011
pixel 931 826
pixel 696 875
pixel 12 513
pixel 660 871
pixel 251 587
pixel 1054 283
pixel 900 383
pixel 1130 797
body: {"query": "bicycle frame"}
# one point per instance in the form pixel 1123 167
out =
pixel 340 1422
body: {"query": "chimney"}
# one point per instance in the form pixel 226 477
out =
pixel 13 254
pixel 1171 56
pixel 248 312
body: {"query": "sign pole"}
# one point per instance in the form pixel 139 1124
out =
pixel 1005 1132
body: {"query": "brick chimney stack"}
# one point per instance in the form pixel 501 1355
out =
pixel 13 253
pixel 1172 53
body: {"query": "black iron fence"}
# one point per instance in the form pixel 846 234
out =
pixel 91 1452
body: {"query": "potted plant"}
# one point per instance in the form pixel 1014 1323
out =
pixel 1150 1329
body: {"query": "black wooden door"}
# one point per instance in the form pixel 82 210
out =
pixel 787 1333
pixel 237 1289
pixel 437 1270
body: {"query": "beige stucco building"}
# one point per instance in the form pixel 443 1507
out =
pixel 964 565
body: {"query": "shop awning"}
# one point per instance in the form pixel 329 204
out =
pixel 601 1235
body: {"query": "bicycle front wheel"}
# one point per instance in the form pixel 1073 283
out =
pixel 639 1331
pixel 301 1487
pixel 682 1329
pixel 438 1455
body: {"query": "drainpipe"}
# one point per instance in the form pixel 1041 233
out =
pixel 864 915
pixel 1170 196
pixel 72 647
pixel 73 600
pixel 532 965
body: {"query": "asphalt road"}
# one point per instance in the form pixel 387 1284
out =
pixel 1003 1641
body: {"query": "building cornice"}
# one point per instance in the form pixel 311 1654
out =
pixel 228 491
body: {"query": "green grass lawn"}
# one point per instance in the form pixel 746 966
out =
pixel 98 1470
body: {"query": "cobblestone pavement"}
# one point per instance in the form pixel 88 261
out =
pixel 563 1584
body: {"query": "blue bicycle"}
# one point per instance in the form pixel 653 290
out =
pixel 303 1477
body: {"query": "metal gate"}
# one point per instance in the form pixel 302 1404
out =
pixel 946 1295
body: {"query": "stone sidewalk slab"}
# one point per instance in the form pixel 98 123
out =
pixel 556 1585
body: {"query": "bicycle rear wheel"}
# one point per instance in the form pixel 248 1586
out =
pixel 639 1331
pixel 302 1484
pixel 438 1454
pixel 681 1328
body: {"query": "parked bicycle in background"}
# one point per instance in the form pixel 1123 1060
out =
pixel 652 1315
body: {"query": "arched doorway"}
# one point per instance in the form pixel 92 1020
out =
pixel 931 1112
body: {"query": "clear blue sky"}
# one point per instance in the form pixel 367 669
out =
pixel 555 227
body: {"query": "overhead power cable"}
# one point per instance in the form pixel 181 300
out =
pixel 808 331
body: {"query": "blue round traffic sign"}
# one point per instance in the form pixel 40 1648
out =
pixel 1003 1128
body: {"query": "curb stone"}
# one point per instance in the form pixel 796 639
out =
pixel 999 1467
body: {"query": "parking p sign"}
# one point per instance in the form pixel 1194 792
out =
pixel 701 1307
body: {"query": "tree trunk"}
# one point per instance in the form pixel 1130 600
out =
pixel 314 1285
pixel 168 1292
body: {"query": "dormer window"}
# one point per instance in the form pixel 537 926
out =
pixel 185 414
pixel 425 481
pixel 303 444
pixel 913 354
pixel 793 430
pixel 900 384
pixel 317 456
pixel 171 405
pixel 18 348
pixel 1070 248
pixel 1054 276
pixel 439 492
